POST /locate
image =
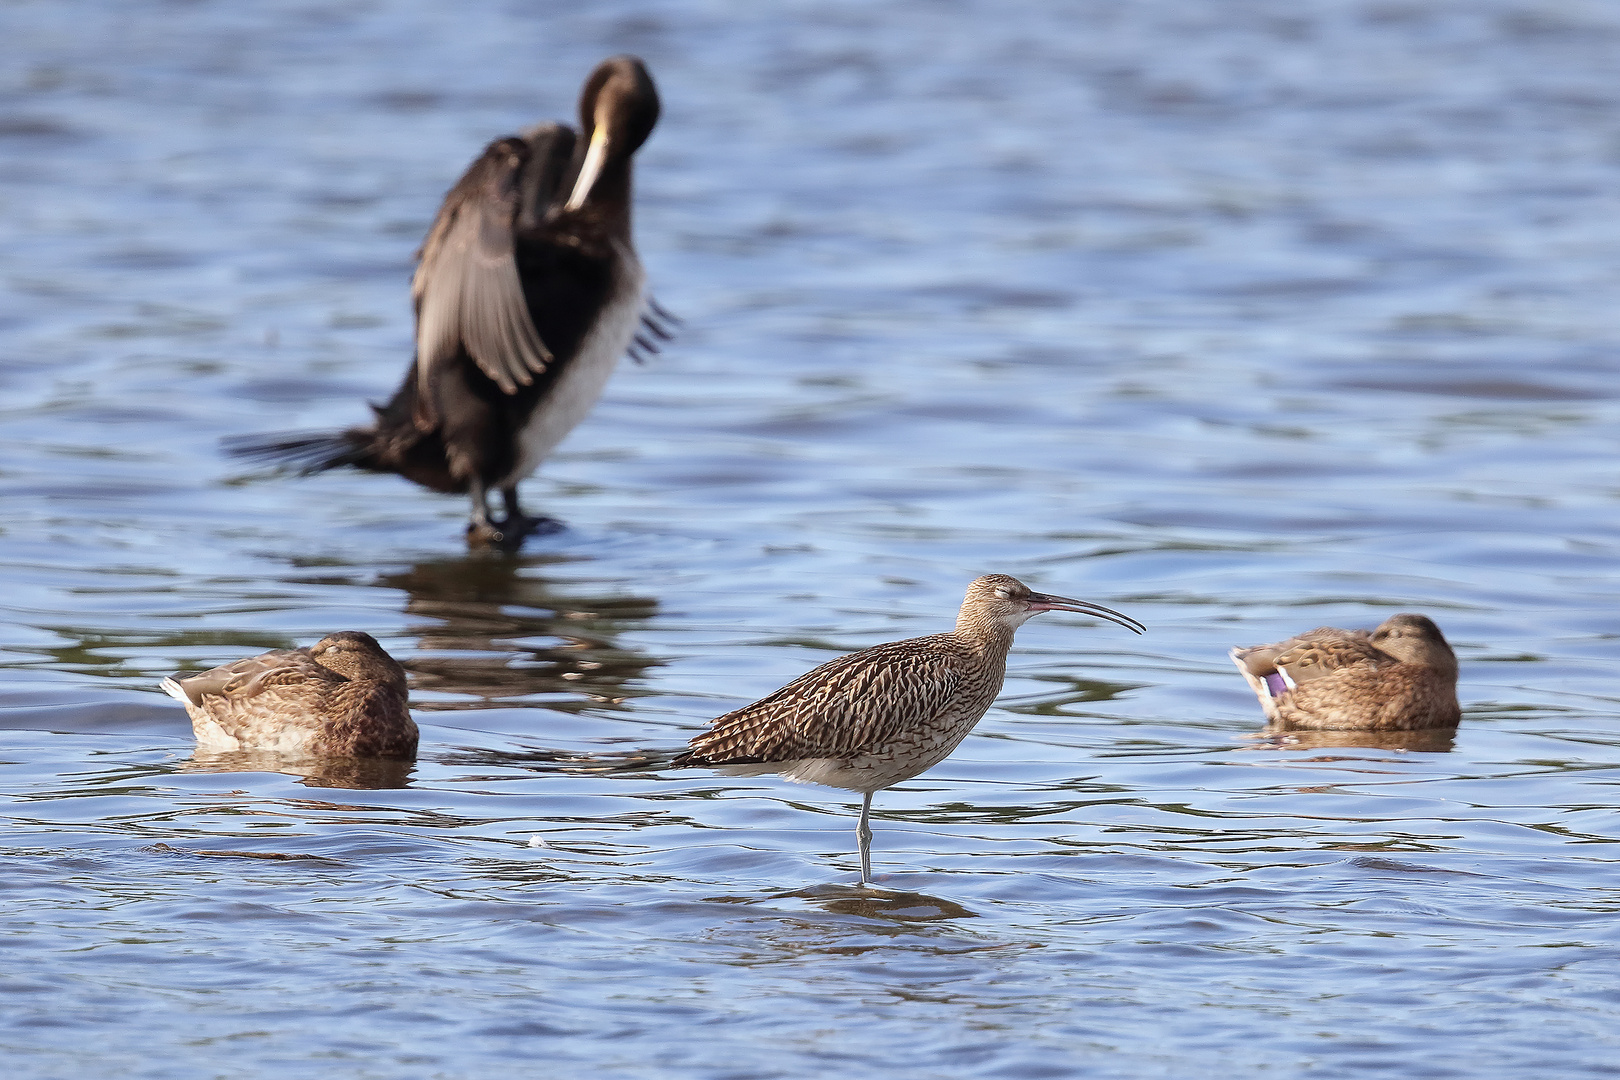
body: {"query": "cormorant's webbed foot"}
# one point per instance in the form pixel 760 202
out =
pixel 508 533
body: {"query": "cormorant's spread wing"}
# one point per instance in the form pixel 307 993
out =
pixel 467 290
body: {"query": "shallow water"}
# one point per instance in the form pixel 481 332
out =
pixel 1240 318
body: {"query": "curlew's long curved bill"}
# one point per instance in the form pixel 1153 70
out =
pixel 1043 602
pixel 595 157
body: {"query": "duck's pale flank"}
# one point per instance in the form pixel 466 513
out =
pixel 1400 677
pixel 873 718
pixel 528 290
pixel 341 697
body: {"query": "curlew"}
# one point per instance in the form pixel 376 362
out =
pixel 341 697
pixel 868 720
pixel 1400 677
pixel 527 291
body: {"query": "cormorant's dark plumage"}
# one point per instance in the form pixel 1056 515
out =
pixel 527 291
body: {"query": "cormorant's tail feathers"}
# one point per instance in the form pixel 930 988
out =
pixel 303 453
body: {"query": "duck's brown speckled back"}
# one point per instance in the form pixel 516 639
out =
pixel 342 697
pixel 1400 677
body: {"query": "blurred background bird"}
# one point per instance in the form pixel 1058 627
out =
pixel 527 292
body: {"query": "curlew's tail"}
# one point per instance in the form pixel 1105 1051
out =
pixel 306 453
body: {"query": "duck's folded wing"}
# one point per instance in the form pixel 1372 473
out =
pixel 851 704
pixel 240 676
pixel 1323 652
pixel 467 290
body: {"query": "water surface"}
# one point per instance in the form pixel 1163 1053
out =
pixel 1240 318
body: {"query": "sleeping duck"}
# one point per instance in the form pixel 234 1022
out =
pixel 1400 677
pixel 341 697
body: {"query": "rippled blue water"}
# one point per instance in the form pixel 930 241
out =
pixel 1241 317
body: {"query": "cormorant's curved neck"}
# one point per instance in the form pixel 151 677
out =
pixel 608 204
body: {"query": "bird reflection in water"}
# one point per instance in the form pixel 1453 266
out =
pixel 321 772
pixel 1429 740
pixel 866 902
pixel 481 623
pixel 885 904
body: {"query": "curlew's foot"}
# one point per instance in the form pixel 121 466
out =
pixel 509 533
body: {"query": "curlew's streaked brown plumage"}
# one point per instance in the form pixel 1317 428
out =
pixel 341 697
pixel 868 720
pixel 1400 677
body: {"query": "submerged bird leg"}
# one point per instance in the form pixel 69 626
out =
pixel 863 838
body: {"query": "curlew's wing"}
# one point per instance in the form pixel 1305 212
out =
pixel 856 702
pixel 468 293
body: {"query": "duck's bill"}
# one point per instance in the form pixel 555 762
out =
pixel 1043 602
pixel 595 158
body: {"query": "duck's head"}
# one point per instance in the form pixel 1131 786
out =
pixel 356 655
pixel 1416 640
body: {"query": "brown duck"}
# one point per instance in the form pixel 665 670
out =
pixel 868 720
pixel 1400 677
pixel 341 697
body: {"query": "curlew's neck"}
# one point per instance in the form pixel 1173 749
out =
pixel 987 636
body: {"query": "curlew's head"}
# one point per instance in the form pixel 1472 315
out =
pixel 617 110
pixel 997 600
pixel 356 654
pixel 1416 640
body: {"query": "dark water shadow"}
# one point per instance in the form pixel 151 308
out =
pixel 479 616
pixel 262 856
pixel 354 773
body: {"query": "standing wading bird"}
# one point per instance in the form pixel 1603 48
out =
pixel 1401 677
pixel 868 720
pixel 341 697
pixel 525 301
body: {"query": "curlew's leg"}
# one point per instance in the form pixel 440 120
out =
pixel 863 837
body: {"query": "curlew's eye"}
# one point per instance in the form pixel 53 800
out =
pixel 1003 593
